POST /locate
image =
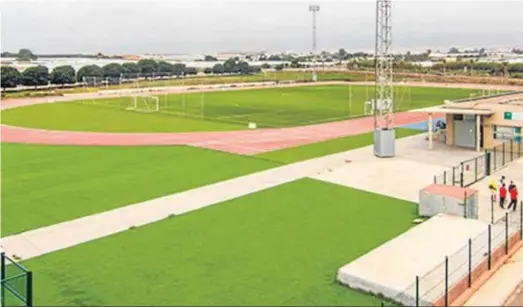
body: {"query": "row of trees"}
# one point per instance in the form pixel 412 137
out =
pixel 147 68
pixel 25 55
pixel 487 67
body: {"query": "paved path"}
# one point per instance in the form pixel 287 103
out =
pixel 517 297
pixel 501 285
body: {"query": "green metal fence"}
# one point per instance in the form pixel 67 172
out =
pixel 462 268
pixel 16 283
pixel 472 170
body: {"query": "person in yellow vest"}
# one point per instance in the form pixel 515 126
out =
pixel 493 187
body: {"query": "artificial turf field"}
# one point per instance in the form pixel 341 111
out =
pixel 221 110
pixel 43 185
pixel 281 246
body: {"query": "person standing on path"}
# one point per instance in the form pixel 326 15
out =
pixel 513 197
pixel 493 190
pixel 502 196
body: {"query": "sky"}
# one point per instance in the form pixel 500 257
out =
pixel 209 26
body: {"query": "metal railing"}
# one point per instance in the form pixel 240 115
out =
pixel 16 283
pixel 459 271
pixel 472 170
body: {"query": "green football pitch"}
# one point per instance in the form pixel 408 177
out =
pixel 220 110
pixel 281 246
pixel 45 185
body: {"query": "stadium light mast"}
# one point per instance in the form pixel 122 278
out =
pixel 314 8
pixel 383 104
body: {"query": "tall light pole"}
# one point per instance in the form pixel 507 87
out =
pixel 384 135
pixel 314 9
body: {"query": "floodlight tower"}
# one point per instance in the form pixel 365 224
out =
pixel 314 9
pixel 384 134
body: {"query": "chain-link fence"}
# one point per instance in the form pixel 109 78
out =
pixel 16 283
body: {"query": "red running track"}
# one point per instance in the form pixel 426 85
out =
pixel 248 142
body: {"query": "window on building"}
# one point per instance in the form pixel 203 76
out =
pixel 507 133
pixel 458 117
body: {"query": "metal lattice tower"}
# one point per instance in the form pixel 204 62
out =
pixel 384 93
pixel 314 9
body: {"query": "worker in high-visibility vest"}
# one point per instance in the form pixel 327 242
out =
pixel 493 187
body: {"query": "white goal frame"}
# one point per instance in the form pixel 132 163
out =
pixel 151 103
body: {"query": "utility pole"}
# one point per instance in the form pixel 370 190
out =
pixel 384 134
pixel 314 9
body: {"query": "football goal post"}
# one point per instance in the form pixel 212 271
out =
pixel 91 85
pixel 144 104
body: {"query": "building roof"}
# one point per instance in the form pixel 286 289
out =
pixel 511 102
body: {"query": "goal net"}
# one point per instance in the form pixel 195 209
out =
pixel 144 104
pixel 189 105
pixel 90 85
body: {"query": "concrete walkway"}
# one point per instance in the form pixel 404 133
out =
pixel 412 169
pixel 501 285
pixel 512 171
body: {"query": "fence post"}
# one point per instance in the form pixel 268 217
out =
pixel 487 163
pixel 417 291
pixel 446 281
pixel 491 210
pixel 465 205
pixel 476 170
pixel 435 180
pixel 489 245
pixel 461 176
pixel 445 177
pixel 506 233
pixel 2 276
pixel 453 176
pixel 470 262
pixel 29 302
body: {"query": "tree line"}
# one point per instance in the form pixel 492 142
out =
pixel 113 73
pixel 491 68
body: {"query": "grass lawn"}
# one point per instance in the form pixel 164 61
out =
pixel 281 246
pixel 305 152
pixel 45 185
pixel 221 110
